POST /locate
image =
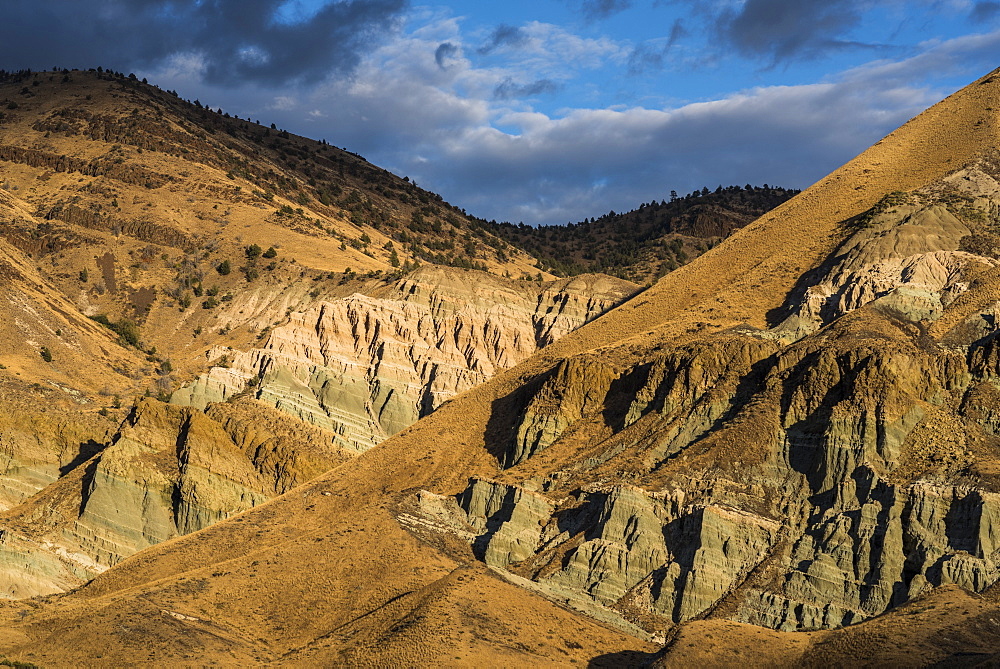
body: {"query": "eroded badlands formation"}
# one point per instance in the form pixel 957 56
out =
pixel 367 366
pixel 786 450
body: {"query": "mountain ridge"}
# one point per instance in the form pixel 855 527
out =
pixel 674 350
pixel 647 242
pixel 766 458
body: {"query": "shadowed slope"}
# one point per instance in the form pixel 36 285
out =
pixel 330 563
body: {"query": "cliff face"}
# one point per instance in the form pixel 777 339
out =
pixel 367 366
pixel 807 476
pixel 79 498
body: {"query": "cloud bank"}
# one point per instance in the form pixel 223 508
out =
pixel 237 41
pixel 467 133
pixel 524 122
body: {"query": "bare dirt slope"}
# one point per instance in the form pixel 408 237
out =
pixel 867 432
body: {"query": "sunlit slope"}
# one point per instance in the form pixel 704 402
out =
pixel 361 567
pixel 753 271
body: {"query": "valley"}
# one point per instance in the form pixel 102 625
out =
pixel 257 410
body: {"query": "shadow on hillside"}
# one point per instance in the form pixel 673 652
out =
pixel 506 414
pixel 86 484
pixel 626 658
pixel 797 294
pixel 86 451
pixel 621 395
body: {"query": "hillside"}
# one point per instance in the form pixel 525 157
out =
pixel 787 446
pixel 146 156
pixel 644 244
pixel 151 248
pixel 193 225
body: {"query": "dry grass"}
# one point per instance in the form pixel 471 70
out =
pixel 325 574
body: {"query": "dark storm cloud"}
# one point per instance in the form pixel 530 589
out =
pixel 445 52
pixel 508 89
pixel 782 29
pixel 985 11
pixel 239 40
pixel 504 35
pixel 599 9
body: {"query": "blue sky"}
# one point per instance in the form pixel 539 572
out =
pixel 546 111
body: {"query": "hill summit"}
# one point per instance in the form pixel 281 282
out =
pixel 788 446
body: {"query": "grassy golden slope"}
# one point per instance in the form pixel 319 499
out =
pixel 119 198
pixel 301 577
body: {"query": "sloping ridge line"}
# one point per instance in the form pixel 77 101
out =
pixel 772 252
pixel 737 282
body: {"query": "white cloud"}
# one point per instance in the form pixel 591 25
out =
pixel 283 103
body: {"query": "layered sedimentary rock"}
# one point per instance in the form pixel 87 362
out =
pixel 79 500
pixel 367 366
pixel 167 471
pixel 691 460
pixel 808 476
pixel 909 252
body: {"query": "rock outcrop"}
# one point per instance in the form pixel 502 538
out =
pixel 909 253
pixel 692 460
pixel 367 366
pixel 808 476
pixel 167 471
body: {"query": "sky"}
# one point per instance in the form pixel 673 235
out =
pixel 543 111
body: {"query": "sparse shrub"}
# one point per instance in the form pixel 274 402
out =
pixel 981 243
pixel 224 268
pixel 46 354
pixel 270 252
pixel 888 201
pixel 84 275
pixel 128 331
pixel 253 251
